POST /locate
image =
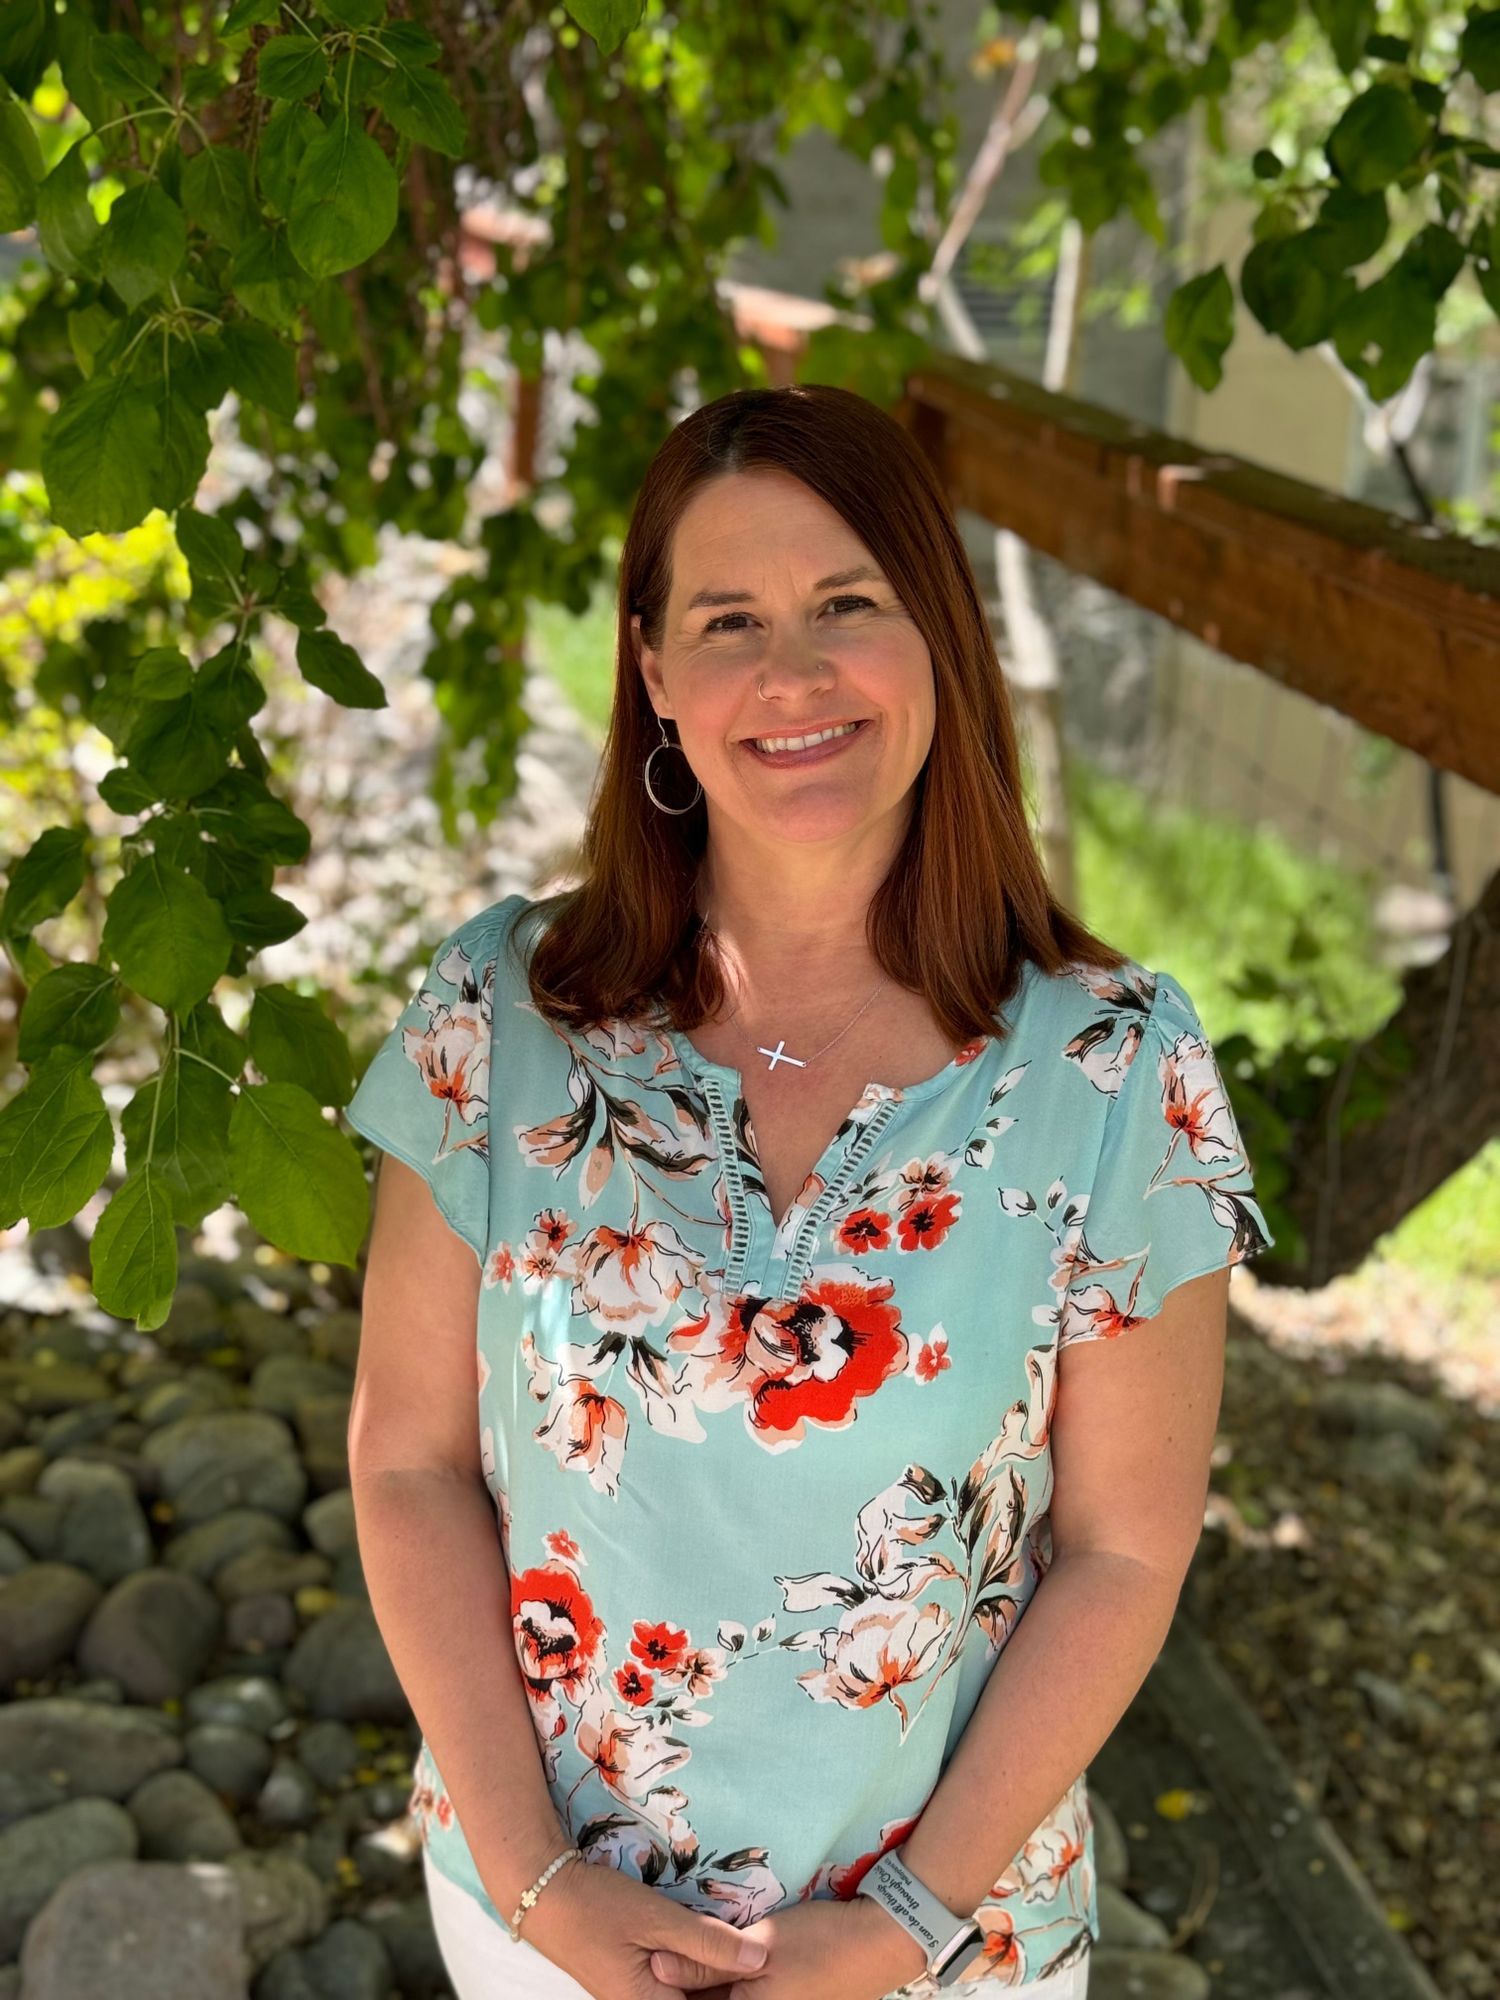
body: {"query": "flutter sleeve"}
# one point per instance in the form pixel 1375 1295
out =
pixel 1172 1196
pixel 425 1096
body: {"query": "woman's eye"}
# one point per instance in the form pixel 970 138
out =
pixel 721 623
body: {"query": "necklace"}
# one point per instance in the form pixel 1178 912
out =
pixel 778 1054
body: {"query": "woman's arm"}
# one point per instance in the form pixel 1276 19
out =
pixel 1132 1432
pixel 428 1537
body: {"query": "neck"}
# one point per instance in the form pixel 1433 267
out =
pixel 788 931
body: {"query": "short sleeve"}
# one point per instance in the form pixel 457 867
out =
pixel 1172 1196
pixel 425 1096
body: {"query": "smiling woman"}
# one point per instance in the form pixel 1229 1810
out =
pixel 804 1147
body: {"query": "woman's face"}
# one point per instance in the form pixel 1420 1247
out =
pixel 822 646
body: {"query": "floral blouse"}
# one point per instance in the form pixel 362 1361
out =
pixel 772 1498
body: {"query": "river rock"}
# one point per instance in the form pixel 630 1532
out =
pixel 35 1521
pixel 233 1762
pixel 203 1551
pixel 328 1522
pixel 1122 1922
pixel 43 1391
pixel 348 1962
pixel 335 1337
pixel 104 1530
pixel 185 1450
pixel 260 1570
pixel 282 1902
pixel 260 1332
pixel 88 1748
pixel 43 1608
pixel 264 1622
pixel 247 1701
pixel 341 1668
pixel 180 1819
pixel 289 1797
pixel 282 1381
pixel 329 1751
pixel 155 1633
pixel 139 1930
pixel 20 1468
pixel 13 1554
pixel 38 1853
pixel 1122 1974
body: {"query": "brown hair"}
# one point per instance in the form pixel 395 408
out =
pixel 965 902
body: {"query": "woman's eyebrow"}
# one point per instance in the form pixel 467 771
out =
pixel 862 573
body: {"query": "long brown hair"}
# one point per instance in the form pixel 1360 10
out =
pixel 965 902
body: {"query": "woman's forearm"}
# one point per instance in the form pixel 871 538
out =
pixel 438 1586
pixel 1068 1672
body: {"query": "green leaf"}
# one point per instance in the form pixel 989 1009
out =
pixel 88 329
pixel 215 557
pixel 1200 325
pixel 1293 286
pixel 144 242
pixel 66 223
pixel 75 38
pixel 291 66
pixel 133 1250
pixel 411 45
pixel 608 21
pixel 1377 137
pixel 229 688
pixel 345 204
pixel 299 1181
pixel 123 67
pixel 422 106
pixel 56 1142
pixel 176 746
pixel 1348 25
pixel 27 43
pixel 160 674
pixel 1381 333
pixel 77 1005
pixel 218 195
pixel 21 167
pixel 352 13
pixel 101 456
pixel 262 369
pixel 1351 226
pixel 178 1120
pixel 1479 46
pixel 45 880
pixel 290 130
pixel 184 449
pixel 249 14
pixel 197 366
pixel 267 279
pixel 256 821
pixel 166 934
pixel 292 1040
pixel 328 663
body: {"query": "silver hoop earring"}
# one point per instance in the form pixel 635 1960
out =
pixel 666 743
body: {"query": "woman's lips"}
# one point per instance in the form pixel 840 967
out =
pixel 818 754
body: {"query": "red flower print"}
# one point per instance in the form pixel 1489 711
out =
pixel 557 1634
pixel 546 1240
pixel 1193 1101
pixel 865 1229
pixel 845 1881
pixel 874 1651
pixel 453 1055
pixel 632 1755
pixel 924 1225
pixel 444 1810
pixel 791 1362
pixel 502 1266
pixel 633 1684
pixel 932 1358
pixel 561 1544
pixel 662 1646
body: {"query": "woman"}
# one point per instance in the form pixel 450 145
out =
pixel 793 1181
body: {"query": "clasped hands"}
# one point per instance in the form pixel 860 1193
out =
pixel 822 1949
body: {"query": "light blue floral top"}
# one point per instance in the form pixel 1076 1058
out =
pixel 773 1498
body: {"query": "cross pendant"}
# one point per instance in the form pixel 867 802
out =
pixel 777 1056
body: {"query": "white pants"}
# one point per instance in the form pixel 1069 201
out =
pixel 485 1963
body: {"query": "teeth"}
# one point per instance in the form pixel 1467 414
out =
pixel 801 742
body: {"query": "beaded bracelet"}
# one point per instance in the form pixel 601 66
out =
pixel 529 1896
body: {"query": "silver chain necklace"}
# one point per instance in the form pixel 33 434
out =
pixel 778 1054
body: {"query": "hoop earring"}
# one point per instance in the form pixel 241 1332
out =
pixel 666 743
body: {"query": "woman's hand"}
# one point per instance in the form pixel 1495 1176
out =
pixel 602 1927
pixel 822 1949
